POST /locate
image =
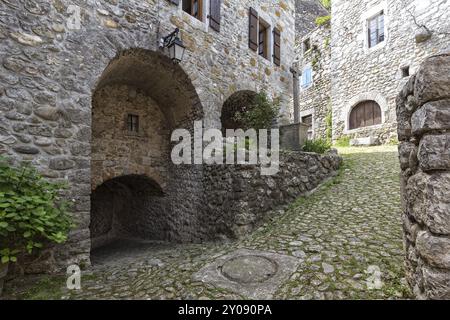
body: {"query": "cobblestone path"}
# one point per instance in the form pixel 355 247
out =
pixel 345 234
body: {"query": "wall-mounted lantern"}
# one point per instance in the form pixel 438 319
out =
pixel 174 45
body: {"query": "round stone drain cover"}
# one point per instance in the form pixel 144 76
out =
pixel 249 269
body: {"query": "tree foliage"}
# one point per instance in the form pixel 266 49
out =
pixel 260 114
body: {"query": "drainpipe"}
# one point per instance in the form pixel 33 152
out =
pixel 295 75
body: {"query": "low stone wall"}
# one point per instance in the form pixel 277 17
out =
pixel 423 113
pixel 204 203
pixel 241 198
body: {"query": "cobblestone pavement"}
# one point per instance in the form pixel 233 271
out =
pixel 344 235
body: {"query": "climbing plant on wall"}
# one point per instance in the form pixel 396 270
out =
pixel 326 4
pixel 324 20
pixel 329 124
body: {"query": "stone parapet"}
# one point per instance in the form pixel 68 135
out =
pixel 423 111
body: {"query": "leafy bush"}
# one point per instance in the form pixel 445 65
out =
pixel 318 146
pixel 324 20
pixel 342 142
pixel 321 21
pixel 326 4
pixel 261 113
pixel 32 211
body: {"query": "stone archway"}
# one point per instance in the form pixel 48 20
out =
pixel 128 207
pixel 367 96
pixel 140 98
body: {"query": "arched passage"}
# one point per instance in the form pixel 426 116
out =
pixel 240 101
pixel 140 98
pixel 128 206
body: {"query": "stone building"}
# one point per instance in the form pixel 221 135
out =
pixel 313 48
pixel 88 96
pixel 375 47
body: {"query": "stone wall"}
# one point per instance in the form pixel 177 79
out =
pixel 423 113
pixel 114 150
pixel 315 99
pixel 51 67
pixel 306 13
pixel 241 198
pixel 359 73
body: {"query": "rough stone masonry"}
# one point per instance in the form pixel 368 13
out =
pixel 73 72
pixel 423 113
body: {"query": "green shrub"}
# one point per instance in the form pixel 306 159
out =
pixel 324 20
pixel 260 115
pixel 326 4
pixel 318 146
pixel 342 142
pixel 32 211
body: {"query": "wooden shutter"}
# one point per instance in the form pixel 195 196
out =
pixel 253 30
pixel 175 2
pixel 276 47
pixel 214 14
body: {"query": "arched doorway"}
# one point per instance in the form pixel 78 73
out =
pixel 365 114
pixel 136 190
pixel 124 206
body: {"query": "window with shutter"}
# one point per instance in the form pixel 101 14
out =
pixel 214 14
pixel 253 30
pixel 376 29
pixel 194 8
pixel 133 123
pixel 263 39
pixel 365 114
pixel 276 46
pixel 306 77
pixel 260 38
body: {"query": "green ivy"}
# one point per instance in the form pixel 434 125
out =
pixel 326 4
pixel 329 125
pixel 316 55
pixel 324 20
pixel 260 114
pixel 327 42
pixel 318 146
pixel 32 211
